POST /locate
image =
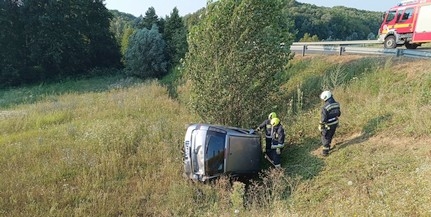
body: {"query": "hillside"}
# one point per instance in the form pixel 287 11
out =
pixel 72 150
pixel 382 157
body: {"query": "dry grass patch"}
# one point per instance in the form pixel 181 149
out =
pixel 93 154
pixel 379 176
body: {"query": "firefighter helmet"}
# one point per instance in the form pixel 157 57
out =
pixel 275 121
pixel 325 95
pixel 272 115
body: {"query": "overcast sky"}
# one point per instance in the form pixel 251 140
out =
pixel 165 7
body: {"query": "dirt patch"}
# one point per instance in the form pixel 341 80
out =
pixel 332 58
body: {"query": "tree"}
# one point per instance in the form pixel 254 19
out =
pixel 193 18
pixel 145 57
pixel 371 36
pixel 120 22
pixel 175 34
pixel 233 59
pixel 104 50
pixel 12 52
pixel 49 39
pixel 125 40
pixel 308 38
pixel 150 19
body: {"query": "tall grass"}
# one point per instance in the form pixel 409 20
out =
pixel 92 154
pixel 32 94
pixel 116 150
pixel 378 169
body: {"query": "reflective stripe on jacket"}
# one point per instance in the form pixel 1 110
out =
pixel 330 112
pixel 278 137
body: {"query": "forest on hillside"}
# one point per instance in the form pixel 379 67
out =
pixel 45 41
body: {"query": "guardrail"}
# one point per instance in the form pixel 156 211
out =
pixel 334 47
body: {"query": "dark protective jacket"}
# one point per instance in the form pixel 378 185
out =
pixel 330 112
pixel 267 126
pixel 278 136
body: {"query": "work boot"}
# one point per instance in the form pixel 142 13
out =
pixel 325 151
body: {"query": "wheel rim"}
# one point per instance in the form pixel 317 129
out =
pixel 390 42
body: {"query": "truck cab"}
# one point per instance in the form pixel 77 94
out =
pixel 406 24
pixel 212 150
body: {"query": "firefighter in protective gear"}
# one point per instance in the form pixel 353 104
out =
pixel 329 120
pixel 277 143
pixel 266 124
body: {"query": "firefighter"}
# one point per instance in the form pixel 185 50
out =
pixel 329 120
pixel 277 142
pixel 266 124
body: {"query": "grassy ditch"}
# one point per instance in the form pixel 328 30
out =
pixel 116 151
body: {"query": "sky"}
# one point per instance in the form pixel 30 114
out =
pixel 164 7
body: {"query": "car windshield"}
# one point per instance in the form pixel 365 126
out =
pixel 214 154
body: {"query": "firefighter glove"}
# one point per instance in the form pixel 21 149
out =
pixel 323 126
pixel 278 150
pixel 276 145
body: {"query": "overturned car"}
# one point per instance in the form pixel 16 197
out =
pixel 212 150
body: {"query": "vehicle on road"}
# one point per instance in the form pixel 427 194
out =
pixel 408 24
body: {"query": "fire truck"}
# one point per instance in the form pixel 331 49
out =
pixel 408 24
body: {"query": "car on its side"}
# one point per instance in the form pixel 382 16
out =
pixel 212 150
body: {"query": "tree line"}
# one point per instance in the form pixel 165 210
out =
pixel 47 40
pixel 151 46
pixel 336 23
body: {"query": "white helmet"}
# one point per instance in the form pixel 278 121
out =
pixel 325 95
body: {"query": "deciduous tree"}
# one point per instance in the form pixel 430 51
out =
pixel 233 59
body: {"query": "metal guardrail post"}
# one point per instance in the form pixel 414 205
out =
pixel 340 52
pixel 304 47
pixel 399 52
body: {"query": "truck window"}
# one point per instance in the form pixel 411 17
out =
pixel 408 13
pixel 391 16
pixel 399 16
pixel 214 154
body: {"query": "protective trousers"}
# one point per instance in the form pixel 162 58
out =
pixel 268 142
pixel 274 156
pixel 327 135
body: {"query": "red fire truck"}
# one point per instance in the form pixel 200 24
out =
pixel 408 23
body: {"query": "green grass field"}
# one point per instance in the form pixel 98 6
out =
pixel 112 147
